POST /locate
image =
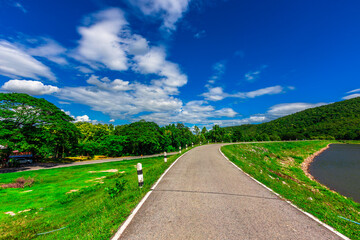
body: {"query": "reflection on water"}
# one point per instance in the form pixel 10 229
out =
pixel 339 169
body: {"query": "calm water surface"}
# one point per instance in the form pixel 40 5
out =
pixel 339 169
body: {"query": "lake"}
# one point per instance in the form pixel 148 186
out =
pixel 338 168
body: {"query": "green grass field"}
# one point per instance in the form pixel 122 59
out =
pixel 88 212
pixel 278 166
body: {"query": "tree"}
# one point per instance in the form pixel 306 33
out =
pixel 36 125
pixel 113 146
pixel 143 137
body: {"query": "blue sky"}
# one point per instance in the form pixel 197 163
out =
pixel 193 61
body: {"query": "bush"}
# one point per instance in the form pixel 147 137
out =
pixel 118 189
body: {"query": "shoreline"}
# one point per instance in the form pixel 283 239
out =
pixel 306 163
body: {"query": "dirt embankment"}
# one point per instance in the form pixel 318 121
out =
pixel 305 165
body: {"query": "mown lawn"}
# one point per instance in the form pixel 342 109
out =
pixel 278 166
pixel 89 212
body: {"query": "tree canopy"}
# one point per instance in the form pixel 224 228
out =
pixel 34 124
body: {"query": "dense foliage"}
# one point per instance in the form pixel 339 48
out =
pixel 34 125
pixel 340 120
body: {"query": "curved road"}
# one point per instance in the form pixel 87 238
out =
pixel 204 196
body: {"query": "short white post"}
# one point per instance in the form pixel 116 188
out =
pixel 180 149
pixel 140 175
pixel 186 146
pixel 165 158
pixel 200 143
pixel 192 144
pixel 208 141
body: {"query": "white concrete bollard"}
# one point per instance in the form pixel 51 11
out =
pixel 180 149
pixel 200 143
pixel 192 144
pixel 208 142
pixel 165 158
pixel 140 175
pixel 186 146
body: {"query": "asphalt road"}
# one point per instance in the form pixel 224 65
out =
pixel 204 196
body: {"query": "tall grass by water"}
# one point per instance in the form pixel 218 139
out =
pixel 278 166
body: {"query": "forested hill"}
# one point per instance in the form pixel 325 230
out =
pixel 340 120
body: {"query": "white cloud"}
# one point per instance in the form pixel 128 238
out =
pixel 51 50
pixel 20 6
pixel 253 75
pixel 154 62
pixel 121 99
pixel 101 42
pixel 200 34
pixel 284 109
pixel 64 103
pixel 226 112
pixel 168 10
pixel 194 112
pixel 265 91
pixel 84 118
pixel 15 62
pixel 219 70
pixel 217 93
pixel 112 120
pixel 108 42
pixel 106 84
pixel 351 96
pixel 355 90
pixel 29 87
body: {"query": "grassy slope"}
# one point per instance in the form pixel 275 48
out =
pixel 89 213
pixel 278 166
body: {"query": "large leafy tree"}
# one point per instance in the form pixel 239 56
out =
pixel 33 124
pixel 142 137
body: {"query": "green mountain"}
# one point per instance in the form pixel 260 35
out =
pixel 340 120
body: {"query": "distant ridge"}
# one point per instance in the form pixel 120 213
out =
pixel 340 120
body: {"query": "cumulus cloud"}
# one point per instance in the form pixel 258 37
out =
pixel 193 112
pixel 276 111
pixel 29 87
pixel 217 93
pixel 120 99
pixel 15 62
pixel 84 118
pixel 108 42
pixel 101 42
pixel 284 109
pixel 170 11
pixel 106 84
pixel 154 62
